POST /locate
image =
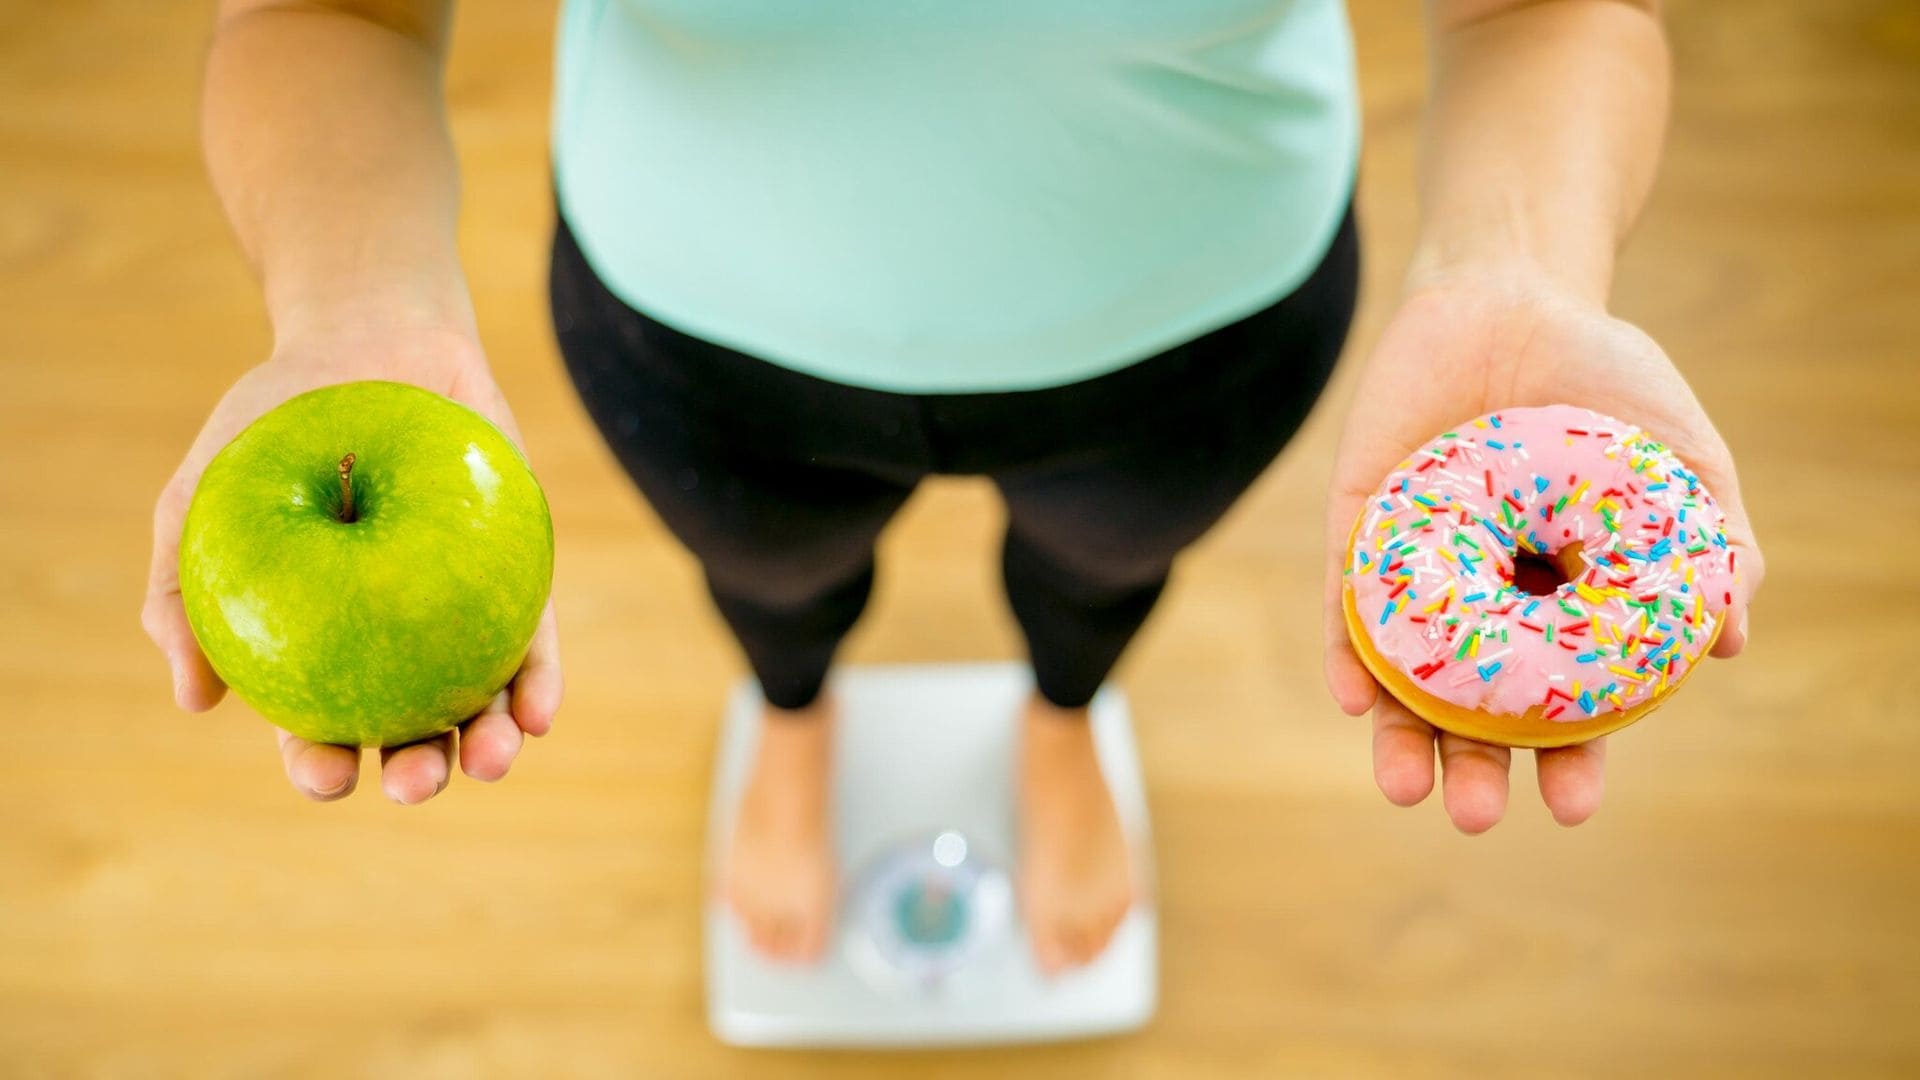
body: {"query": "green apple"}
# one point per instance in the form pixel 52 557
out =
pixel 366 564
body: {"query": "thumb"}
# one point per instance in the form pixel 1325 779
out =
pixel 1348 680
pixel 1749 564
pixel 196 687
pixel 1700 448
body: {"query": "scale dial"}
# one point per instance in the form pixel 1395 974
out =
pixel 923 908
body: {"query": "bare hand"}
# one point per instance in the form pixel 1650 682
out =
pixel 448 363
pixel 1455 350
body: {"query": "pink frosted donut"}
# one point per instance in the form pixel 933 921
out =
pixel 1624 576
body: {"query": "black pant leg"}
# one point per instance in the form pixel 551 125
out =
pixel 1091 539
pixel 785 539
pixel 788 554
pixel 1090 545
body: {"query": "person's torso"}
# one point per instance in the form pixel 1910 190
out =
pixel 934 196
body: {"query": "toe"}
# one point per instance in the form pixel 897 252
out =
pixel 760 932
pixel 779 935
pixel 1047 953
pixel 816 922
pixel 1111 924
pixel 1076 942
pixel 811 943
pixel 788 928
pixel 1043 939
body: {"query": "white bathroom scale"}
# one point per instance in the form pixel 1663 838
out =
pixel 928 948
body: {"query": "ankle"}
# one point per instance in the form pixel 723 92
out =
pixel 795 750
pixel 1041 710
pixel 813 712
pixel 1045 724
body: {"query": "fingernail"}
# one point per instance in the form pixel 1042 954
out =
pixel 179 681
pixel 328 793
pixel 439 786
pixel 1743 625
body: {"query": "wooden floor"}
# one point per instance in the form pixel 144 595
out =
pixel 1748 902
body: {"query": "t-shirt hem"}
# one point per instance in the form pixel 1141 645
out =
pixel 1112 356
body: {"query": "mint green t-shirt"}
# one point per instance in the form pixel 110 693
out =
pixel 939 196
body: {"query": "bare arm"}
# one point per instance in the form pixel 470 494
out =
pixel 1541 136
pixel 326 136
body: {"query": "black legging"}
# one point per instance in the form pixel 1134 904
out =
pixel 780 482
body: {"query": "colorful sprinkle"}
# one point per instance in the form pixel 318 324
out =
pixel 1656 564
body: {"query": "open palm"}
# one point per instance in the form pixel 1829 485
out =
pixel 448 364
pixel 1455 351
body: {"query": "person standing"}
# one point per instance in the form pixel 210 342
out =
pixel 807 256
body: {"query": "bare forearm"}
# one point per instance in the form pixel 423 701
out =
pixel 1541 137
pixel 326 137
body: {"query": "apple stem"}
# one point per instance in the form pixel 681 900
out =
pixel 346 489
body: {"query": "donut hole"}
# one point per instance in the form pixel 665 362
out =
pixel 1537 575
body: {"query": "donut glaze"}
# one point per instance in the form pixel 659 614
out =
pixel 1431 600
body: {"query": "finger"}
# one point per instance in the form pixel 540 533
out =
pixel 1734 635
pixel 1749 569
pixel 417 772
pixel 320 771
pixel 196 687
pixel 1402 752
pixel 1474 782
pixel 1352 686
pixel 1749 565
pixel 489 742
pixel 1572 780
pixel 476 388
pixel 1347 679
pixel 538 687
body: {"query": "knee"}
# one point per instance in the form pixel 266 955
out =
pixel 780 578
pixel 1088 565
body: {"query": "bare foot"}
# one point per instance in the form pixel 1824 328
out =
pixel 1075 880
pixel 779 872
